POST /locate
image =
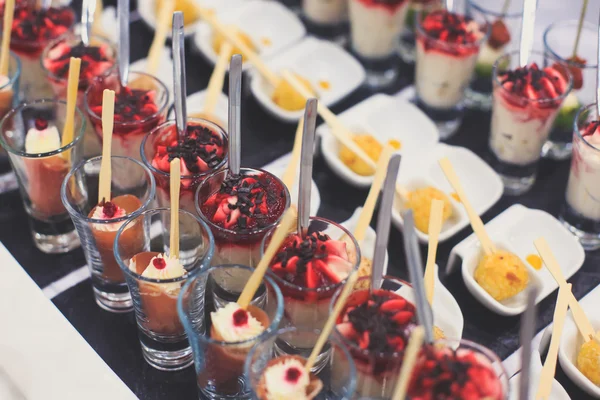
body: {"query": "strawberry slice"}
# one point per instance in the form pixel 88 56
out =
pixel 364 340
pixel 397 343
pixel 335 248
pixel 402 317
pixel 531 93
pixel 312 279
pixel 393 305
pixel 548 88
pixel 347 330
pixel 335 268
pixel 290 266
pixel 558 80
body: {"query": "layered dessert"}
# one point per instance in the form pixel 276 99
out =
pixel 447 50
pixel 526 101
pixel 501 274
pixel 32 29
pixel 234 328
pixel 588 361
pixel 419 201
pixel 441 372
pixel 240 209
pixel 371 146
pixel 285 378
pixel 285 96
pixel 325 12
pixel 105 233
pixel 376 25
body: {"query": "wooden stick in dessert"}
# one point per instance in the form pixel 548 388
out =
pixel 289 175
pixel 97 23
pixel 174 185
pixel 306 166
pixel 160 36
pixel 72 87
pixel 108 119
pixel 435 227
pixel 415 342
pixel 9 10
pixel 527 31
pixel 364 219
pixel 179 78
pixel 598 73
pixel 505 7
pixel 215 84
pixel 549 368
pixel 326 332
pixel 287 224
pixel 526 336
pixel 476 222
pixel 579 26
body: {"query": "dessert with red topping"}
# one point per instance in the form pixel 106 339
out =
pixel 285 378
pixel 447 49
pixel 240 210
pixel 469 372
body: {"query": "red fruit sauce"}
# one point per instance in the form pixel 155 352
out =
pixel 450 33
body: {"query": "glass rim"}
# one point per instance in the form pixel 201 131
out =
pixel 577 129
pixel 17 73
pixel 170 122
pixel 498 14
pixel 231 231
pixel 420 30
pixel 183 316
pixel 45 42
pixel 321 289
pixel 73 211
pixel 162 107
pixel 76 137
pixel 565 22
pixel 515 53
pixel 125 268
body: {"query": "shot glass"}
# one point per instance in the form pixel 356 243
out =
pixel 444 70
pixel 40 175
pixel 519 127
pixel 581 211
pixel 220 364
pixel 9 98
pixel 162 137
pixel 406 44
pixel 559 38
pixel 162 336
pixel 240 245
pixel 338 375
pixel 327 19
pixel 79 194
pixel 504 37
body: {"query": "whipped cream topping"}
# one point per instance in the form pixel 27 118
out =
pixel 42 138
pixel 108 210
pixel 287 380
pixel 161 267
pixel 235 324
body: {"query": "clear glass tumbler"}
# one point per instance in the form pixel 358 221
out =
pixel 338 375
pixel 220 364
pixel 162 335
pixel 79 194
pixel 40 175
pixel 9 98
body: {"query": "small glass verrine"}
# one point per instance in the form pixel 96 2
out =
pixel 327 19
pixel 79 194
pixel 406 44
pixel 9 98
pixel 162 336
pixel 40 175
pixel 220 363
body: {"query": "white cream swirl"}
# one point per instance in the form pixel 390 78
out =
pixel 234 324
pixel 161 267
pixel 42 141
pixel 100 214
pixel 280 384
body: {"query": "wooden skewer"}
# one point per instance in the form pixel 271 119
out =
pixel 435 227
pixel 215 84
pixel 476 222
pixel 9 10
pixel 287 224
pixel 410 358
pixel 175 184
pixel 289 176
pixel 339 305
pixel 549 368
pixel 72 88
pixel 158 43
pixel 97 24
pixel 108 118
pixel 364 219
pixel 579 26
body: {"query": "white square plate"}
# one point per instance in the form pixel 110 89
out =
pixel 515 230
pixel 385 118
pixel 317 61
pixel 195 104
pixel 557 391
pixel 271 26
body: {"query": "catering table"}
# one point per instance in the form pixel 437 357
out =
pixel 264 139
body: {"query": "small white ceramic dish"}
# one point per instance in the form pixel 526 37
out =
pixel 164 73
pixel 557 392
pixel 278 167
pixel 320 62
pixel 271 26
pixel 195 104
pixel 420 169
pixel 385 118
pixel 515 230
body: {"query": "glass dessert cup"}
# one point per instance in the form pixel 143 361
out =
pixel 162 336
pixel 467 369
pixel 97 60
pixel 307 308
pixel 327 19
pixel 375 27
pixel 40 175
pixel 79 194
pixel 237 244
pixel 581 211
pixel 504 36
pixel 406 44
pixel 443 68
pixel 33 28
pixel 558 46
pixel 9 98
pixel 219 363
pixel 520 125
pixel 336 386
pixel 161 137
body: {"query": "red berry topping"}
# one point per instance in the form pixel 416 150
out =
pixel 109 209
pixel 37 26
pixel 293 374
pixel 41 124
pixel 574 66
pixel 590 128
pixel 534 83
pixel 451 28
pixel 159 263
pixel 499 35
pixel 240 317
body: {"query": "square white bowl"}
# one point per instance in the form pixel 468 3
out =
pixel 419 169
pixel 315 60
pixel 557 391
pixel 271 26
pixel 515 230
pixel 164 72
pixel 384 117
pixel 195 104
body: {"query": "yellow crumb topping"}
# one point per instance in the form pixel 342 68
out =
pixel 287 98
pixel 420 202
pixel 502 274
